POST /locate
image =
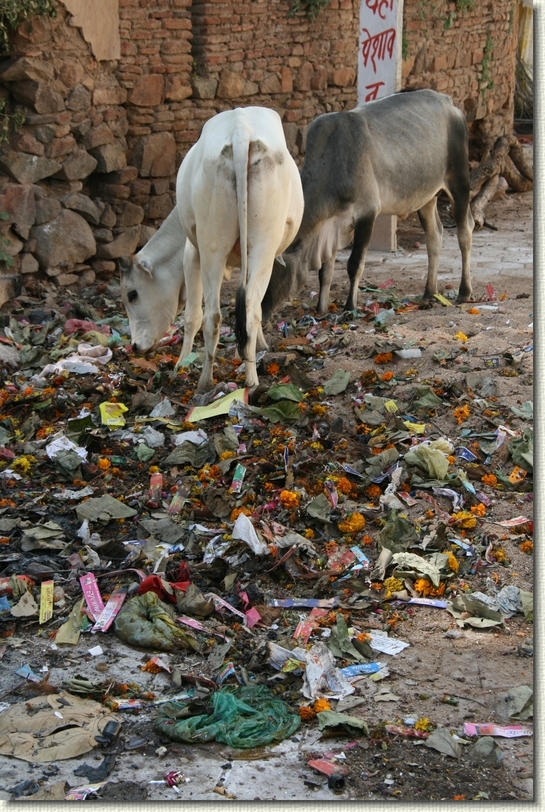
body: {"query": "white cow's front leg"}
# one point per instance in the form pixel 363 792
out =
pixel 193 303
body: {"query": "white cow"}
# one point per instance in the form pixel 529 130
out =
pixel 153 285
pixel 240 203
pixel 240 200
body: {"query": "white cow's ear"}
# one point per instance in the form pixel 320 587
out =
pixel 145 266
pixel 281 260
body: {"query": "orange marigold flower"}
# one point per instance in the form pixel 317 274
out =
pixel 332 307
pixel 367 540
pixel 478 510
pixel 527 546
pixel 154 469
pixel 376 586
pixel 104 463
pixel 387 376
pixel 273 369
pixel 461 413
pixel 309 533
pixel 453 563
pixel 363 637
pixel 235 513
pixel 383 358
pixel 151 667
pixel 473 311
pixel 227 455
pixel 489 479
pixel 458 797
pixel 464 518
pixel 321 705
pixel 289 499
pixel 373 491
pixel 353 523
pixel 318 409
pixel 306 713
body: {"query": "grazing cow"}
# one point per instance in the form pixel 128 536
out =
pixel 390 156
pixel 240 201
pixel 152 284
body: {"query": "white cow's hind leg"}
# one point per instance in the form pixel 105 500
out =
pixel 261 342
pixel 433 229
pixel 213 272
pixel 193 300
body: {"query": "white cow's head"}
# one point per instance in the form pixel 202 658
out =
pixel 153 297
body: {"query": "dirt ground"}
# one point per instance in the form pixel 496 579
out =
pixel 478 355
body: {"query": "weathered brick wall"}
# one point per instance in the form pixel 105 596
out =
pixel 469 54
pixel 92 171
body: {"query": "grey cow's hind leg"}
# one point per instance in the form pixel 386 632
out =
pixel 433 229
pixel 325 275
pixel 356 261
pixel 464 230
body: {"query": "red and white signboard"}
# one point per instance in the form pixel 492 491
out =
pixel 379 58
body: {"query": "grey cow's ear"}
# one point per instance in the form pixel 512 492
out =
pixel 145 266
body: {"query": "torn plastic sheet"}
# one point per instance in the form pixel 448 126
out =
pixel 386 645
pixel 244 531
pixel 62 443
pixel 86 361
pixel 321 677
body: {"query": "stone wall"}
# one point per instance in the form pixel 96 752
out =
pixel 91 173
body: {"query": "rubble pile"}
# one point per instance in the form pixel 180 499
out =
pixel 259 554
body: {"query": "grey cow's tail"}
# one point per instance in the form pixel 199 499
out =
pixel 241 158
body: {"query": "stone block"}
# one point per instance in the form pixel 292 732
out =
pixel 125 175
pixel 148 91
pixel 40 95
pixel 60 147
pixel 24 142
pixel 109 95
pixel 304 77
pixel 270 84
pixel 108 218
pixel 124 244
pixel 29 264
pixel 160 186
pixel 155 155
pixel 26 68
pixel 47 209
pixel 27 168
pixel 20 203
pixel 65 241
pixel 231 85
pixel 79 99
pixel 97 137
pixel 159 207
pixel 176 89
pixel 129 215
pixel 110 157
pixel 78 165
pixel 10 287
pixel 204 88
pixel 83 205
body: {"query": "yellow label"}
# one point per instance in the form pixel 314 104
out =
pixel 46 601
pixel 442 300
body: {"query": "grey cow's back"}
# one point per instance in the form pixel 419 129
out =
pixel 407 140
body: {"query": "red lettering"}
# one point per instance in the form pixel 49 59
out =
pixel 378 5
pixel 378 47
pixel 373 91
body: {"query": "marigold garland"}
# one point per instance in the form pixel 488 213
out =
pixel 383 358
pixel 289 499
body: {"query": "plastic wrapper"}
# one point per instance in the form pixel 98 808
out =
pixel 145 621
pixel 244 717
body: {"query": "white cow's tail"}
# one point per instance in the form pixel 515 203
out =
pixel 241 159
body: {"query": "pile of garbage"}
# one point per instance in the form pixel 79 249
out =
pixel 269 542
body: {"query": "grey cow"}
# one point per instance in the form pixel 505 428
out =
pixel 390 156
